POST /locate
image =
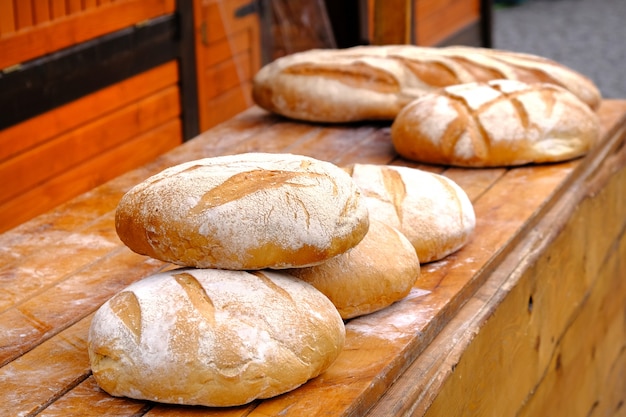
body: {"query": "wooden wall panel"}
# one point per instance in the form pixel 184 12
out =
pixel 433 20
pixel 7 21
pixel 228 54
pixel 87 142
pixel 26 38
pixel 436 20
pixel 35 131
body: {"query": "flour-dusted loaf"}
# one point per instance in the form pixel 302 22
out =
pixel 377 272
pixel 213 337
pixel 498 123
pixel 376 82
pixel 245 211
pixel 431 210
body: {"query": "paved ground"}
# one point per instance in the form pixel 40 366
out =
pixel 586 35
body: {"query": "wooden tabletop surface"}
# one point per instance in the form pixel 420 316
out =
pixel 57 269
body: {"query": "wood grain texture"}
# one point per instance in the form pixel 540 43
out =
pixel 35 131
pixel 392 22
pixel 30 40
pixel 85 176
pixel 74 148
pixel 429 353
pixel 510 359
pixel 228 53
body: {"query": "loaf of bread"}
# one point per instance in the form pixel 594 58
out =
pixel 213 337
pixel 376 82
pixel 432 211
pixel 377 272
pixel 245 211
pixel 498 123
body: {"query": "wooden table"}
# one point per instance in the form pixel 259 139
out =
pixel 528 319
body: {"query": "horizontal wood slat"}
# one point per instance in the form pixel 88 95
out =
pixel 32 132
pixel 35 41
pixel 90 174
pixel 227 105
pixel 65 152
pixel 46 315
pixel 57 155
pixel 227 75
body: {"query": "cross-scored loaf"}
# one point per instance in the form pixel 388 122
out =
pixel 213 337
pixel 431 210
pixel 499 123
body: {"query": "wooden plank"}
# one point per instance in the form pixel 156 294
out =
pixel 69 298
pixel 23 17
pixel 90 174
pixel 59 154
pixel 392 22
pixel 220 36
pixel 161 410
pixel 223 50
pixel 7 19
pixel 443 22
pixel 225 106
pixel 221 22
pixel 226 75
pixel 382 345
pixel 548 289
pixel 564 353
pixel 66 362
pixel 74 6
pixel 32 132
pixel 87 400
pixel 589 357
pixel 42 11
pixel 90 4
pixel 28 44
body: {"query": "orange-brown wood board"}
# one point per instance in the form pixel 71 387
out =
pixel 69 150
pixel 30 29
pixel 58 268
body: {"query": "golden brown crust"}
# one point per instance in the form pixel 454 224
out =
pixel 375 82
pixel 377 272
pixel 432 211
pixel 247 211
pixel 499 123
pixel 213 337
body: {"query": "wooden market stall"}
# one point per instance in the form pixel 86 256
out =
pixel 92 89
pixel 527 319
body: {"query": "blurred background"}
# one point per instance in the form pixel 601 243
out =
pixel 586 35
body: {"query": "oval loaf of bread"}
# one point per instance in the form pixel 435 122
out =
pixel 499 123
pixel 375 82
pixel 213 337
pixel 377 272
pixel 245 211
pixel 432 211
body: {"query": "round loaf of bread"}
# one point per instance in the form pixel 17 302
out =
pixel 432 211
pixel 499 123
pixel 245 211
pixel 377 272
pixel 213 337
